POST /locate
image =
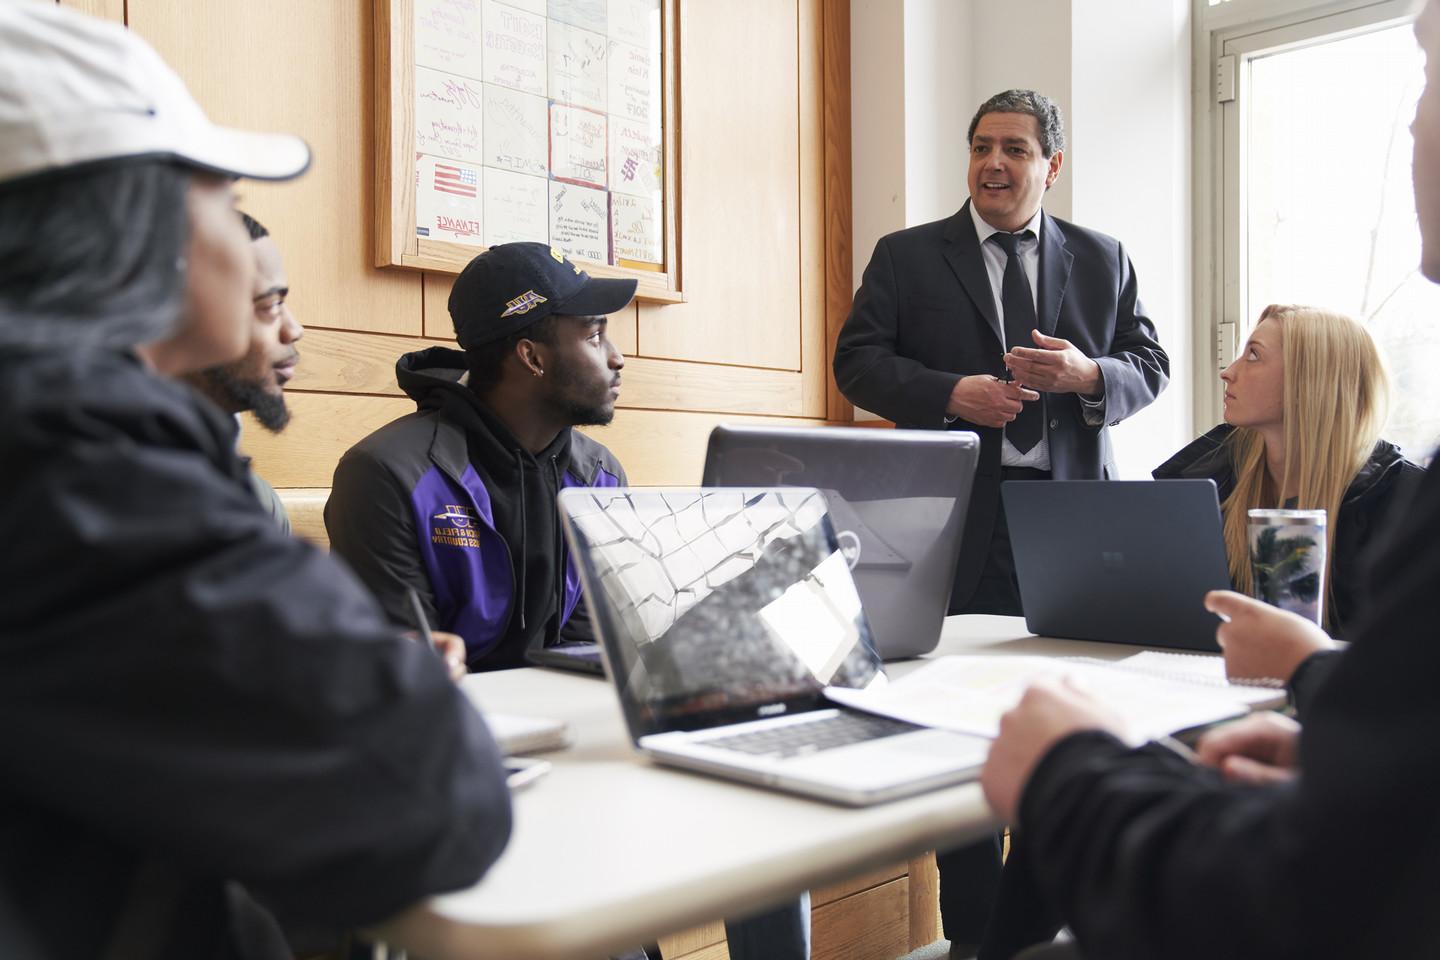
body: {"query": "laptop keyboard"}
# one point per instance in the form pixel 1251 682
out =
pixel 796 739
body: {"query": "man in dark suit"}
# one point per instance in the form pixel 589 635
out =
pixel 1022 327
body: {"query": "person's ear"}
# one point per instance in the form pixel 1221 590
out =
pixel 531 357
pixel 1057 159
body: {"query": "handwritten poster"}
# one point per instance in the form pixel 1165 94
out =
pixel 589 14
pixel 447 115
pixel 516 131
pixel 514 48
pixel 635 230
pixel 447 200
pixel 630 84
pixel 577 145
pixel 541 120
pixel 635 159
pixel 515 208
pixel 577 66
pixel 580 221
pixel 447 36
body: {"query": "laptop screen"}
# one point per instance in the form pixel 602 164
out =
pixel 716 606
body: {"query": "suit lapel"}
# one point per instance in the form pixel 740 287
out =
pixel 1055 263
pixel 962 252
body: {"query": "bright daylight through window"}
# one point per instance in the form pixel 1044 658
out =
pixel 1329 216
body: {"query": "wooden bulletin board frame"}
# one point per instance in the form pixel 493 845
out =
pixel 395 240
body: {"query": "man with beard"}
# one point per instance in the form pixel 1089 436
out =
pixel 256 382
pixel 456 501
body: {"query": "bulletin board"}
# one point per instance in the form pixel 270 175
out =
pixel 548 120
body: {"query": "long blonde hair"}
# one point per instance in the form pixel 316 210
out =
pixel 1336 396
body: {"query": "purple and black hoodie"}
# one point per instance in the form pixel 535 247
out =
pixel 447 501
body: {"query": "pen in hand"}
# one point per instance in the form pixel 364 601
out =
pixel 448 645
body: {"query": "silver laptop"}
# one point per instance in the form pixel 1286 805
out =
pixel 723 614
pixel 1127 561
pixel 897 498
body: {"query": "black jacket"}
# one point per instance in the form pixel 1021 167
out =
pixel 925 316
pixel 1146 856
pixel 1385 480
pixel 195 706
pixel 445 501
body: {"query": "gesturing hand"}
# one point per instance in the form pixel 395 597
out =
pixel 1262 641
pixel 1057 366
pixel 988 401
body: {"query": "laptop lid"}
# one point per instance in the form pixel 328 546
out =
pixel 897 498
pixel 717 606
pixel 1121 561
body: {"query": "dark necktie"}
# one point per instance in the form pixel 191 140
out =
pixel 1019 306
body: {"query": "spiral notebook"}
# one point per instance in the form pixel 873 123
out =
pixel 1200 671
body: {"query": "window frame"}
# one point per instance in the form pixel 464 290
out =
pixel 1228 36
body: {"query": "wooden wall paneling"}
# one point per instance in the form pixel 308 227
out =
pixel 924 894
pixel 860 927
pixel 108 9
pixel 810 86
pixel 838 271
pixel 691 941
pixel 624 330
pixel 741 224
pixel 857 884
pixel 393 132
pixel 302 68
pixel 667 448
pixel 437 312
pixel 323 426
pixel 342 361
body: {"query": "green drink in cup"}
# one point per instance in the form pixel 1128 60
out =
pixel 1287 558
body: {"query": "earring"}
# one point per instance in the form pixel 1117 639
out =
pixel 180 264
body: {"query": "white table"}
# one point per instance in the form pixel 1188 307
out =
pixel 610 850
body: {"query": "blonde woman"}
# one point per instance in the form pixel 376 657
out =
pixel 1304 404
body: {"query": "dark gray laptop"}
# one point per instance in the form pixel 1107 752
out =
pixel 897 498
pixel 1121 561
pixel 723 615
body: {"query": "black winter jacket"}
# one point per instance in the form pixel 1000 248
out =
pixel 1386 479
pixel 196 707
pixel 1147 856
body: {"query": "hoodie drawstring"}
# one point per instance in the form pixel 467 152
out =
pixel 520 465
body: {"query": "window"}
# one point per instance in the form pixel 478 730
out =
pixel 1315 206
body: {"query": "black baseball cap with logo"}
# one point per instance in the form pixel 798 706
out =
pixel 511 285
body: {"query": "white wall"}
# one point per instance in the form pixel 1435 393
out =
pixel 1120 71
pixel 1130 142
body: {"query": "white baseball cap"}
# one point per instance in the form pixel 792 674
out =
pixel 78 91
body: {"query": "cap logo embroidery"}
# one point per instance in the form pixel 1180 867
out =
pixel 557 255
pixel 524 303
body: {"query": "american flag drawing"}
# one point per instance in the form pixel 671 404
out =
pixel 457 180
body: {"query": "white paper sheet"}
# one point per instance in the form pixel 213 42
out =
pixel 577 66
pixel 577 145
pixel 970 693
pixel 447 115
pixel 516 131
pixel 448 204
pixel 515 208
pixel 634 94
pixel 633 21
pixel 514 48
pixel 579 221
pixel 634 229
pixel 634 160
pixel 537 7
pixel 589 14
pixel 447 36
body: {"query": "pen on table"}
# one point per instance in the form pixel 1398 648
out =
pixel 421 623
pixel 1178 748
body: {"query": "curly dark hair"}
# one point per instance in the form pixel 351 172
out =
pixel 1037 105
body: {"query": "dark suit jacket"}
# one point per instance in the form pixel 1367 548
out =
pixel 925 316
